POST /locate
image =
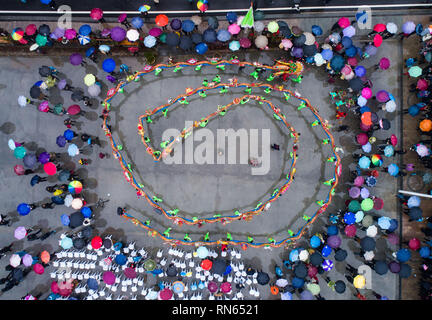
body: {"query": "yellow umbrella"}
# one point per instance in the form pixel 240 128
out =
pixel 89 79
pixel 58 192
pixel 359 282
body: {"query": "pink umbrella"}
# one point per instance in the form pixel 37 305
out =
pixel 65 292
pixel 70 34
pixel 38 268
pixel 212 286
pixel 344 22
pixel 96 14
pixel 246 43
pixel 346 70
pixel 366 93
pixel 359 181
pixel 384 63
pixel 378 203
pixel 73 109
pixel 27 260
pixel 352 61
pixel 20 233
pixel 393 140
pixel 50 168
pixel 19 169
pixel 393 238
pixel 226 287
pixel 54 287
pixel 414 244
pixel 354 192
pixel 350 231
pixel 312 271
pixel 165 294
pixel 43 106
pixel 422 84
pixel 130 273
pixel 155 32
pixel 382 96
pixel 362 138
pixel 109 277
pixel 234 28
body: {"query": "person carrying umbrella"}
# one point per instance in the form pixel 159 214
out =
pixel 37 179
pixel 4 221
pixel 69 122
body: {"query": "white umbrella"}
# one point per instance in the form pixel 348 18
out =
pixel 349 76
pixel 281 283
pixel 68 200
pixel 43 85
pixel 15 260
pixel 11 144
pixel 310 39
pixel 77 203
pixel 361 101
pixel 390 106
pixel 258 26
pixel 94 90
pixel 132 35
pixel 371 231
pixel 73 150
pixel 326 46
pixel 369 255
pixel 319 59
pixel 261 42
pixel 196 19
pixel 22 101
pixel 391 27
pixel 303 255
pixel 151 295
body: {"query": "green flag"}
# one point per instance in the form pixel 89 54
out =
pixel 248 20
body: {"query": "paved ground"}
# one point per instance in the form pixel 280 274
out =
pixel 197 189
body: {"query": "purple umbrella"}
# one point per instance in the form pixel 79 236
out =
pixel 176 24
pixel 360 71
pixel 364 193
pixel 394 267
pixel 27 260
pixel 334 241
pixel 105 32
pixel 155 32
pixel 118 34
pixel 61 84
pixel 382 96
pixel 75 59
pixel 61 141
pixel 354 192
pixel 70 34
pixel 44 157
pixel 212 286
pixel 297 52
pixel 371 50
pixel 349 31
pixel 393 238
pixel 30 160
pixel 408 27
pixel 59 32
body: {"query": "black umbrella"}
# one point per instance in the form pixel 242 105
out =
pixel 171 271
pixel 340 255
pixel 309 51
pixel 316 259
pixel 263 278
pixel 381 267
pixel 367 244
pixel 35 92
pixel 17 274
pixel 64 175
pixel 77 96
pixel 44 71
pixel 107 243
pixel 172 39
pixel 340 286
pixel 299 41
pixel 301 271
pixel 250 271
pixel 44 30
pixel 209 36
pixel 285 31
pixel 196 38
pixel 79 243
pixel 385 124
pixel 76 219
pixel 35 180
pixel 87 232
pixel 356 84
pixel 219 266
pixel 415 213
pixel 186 43
pixel 213 22
pixel 405 270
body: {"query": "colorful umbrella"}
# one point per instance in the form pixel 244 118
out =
pixel 75 187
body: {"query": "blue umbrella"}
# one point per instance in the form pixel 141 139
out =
pixel 367 147
pixel 393 170
pixel 347 42
pixel 196 38
pixel 231 17
pixel 108 65
pixel 185 43
pixel 413 201
pixel 294 255
pixel 337 63
pixel 384 223
pixel 351 51
pixel 85 30
pixel 201 48
pixel 83 40
pixel 297 282
pixel 23 209
pixel 389 151
pixel 223 35
pixel 414 110
pixel 188 25
pixel 297 52
pixel 176 24
pixel 209 36
pixel 315 242
pixel 66 243
pixel 30 160
pixel 172 39
pixel 68 134
pixel 327 54
pixel 120 259
pixel 316 30
pixel 104 48
pixel 365 109
pixel 327 265
pixel 360 71
pixel 393 225
pixel 306 295
pixel 149 41
pixel 371 181
pixel 64 218
pixel 332 230
pixel 86 211
pixel 92 284
pixel 286 296
pixel 326 251
pixel 90 51
pixel 425 252
pixel 38 84
pixel 57 200
pixel 137 22
pixel 403 255
pixel 64 175
pixel 349 218
pixel 364 162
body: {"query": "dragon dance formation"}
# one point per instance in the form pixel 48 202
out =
pixel 280 68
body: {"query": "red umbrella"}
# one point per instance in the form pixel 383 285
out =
pixel 206 264
pixel 165 294
pixel 19 169
pixel 65 292
pixel 379 27
pixel 414 244
pixel 384 63
pixel 245 43
pixel 226 287
pixel 362 138
pixel 161 20
pixel 350 231
pixel 73 109
pixel 96 14
pixel 352 61
pixel 96 242
pixel 344 22
pixel 312 271
pixel 422 84
pixel 54 287
pixel 377 41
pixel 50 168
pixel 378 203
pixel 130 273
pixel 374 173
pixel 393 140
pixel 38 268
pixel 31 29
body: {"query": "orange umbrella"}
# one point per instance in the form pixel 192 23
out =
pixel 161 20
pixel 274 290
pixel 206 264
pixel 366 118
pixel 45 256
pixel 426 125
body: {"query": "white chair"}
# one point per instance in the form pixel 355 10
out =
pixel 53 274
pixel 114 288
pixel 93 265
pixel 134 297
pixel 130 259
pixel 198 269
pixel 123 267
pixel 140 269
pixel 62 264
pixel 144 292
pixel 86 275
pixel 60 276
pixel 163 262
pixel 89 256
pixel 189 273
pixel 142 252
pixel 75 264
pixel 126 250
pixel 181 253
pixel 234 267
pixel 99 252
pixel 129 282
pixel 87 266
pixel 248 281
pixel 171 251
pixel 223 254
pixel 238 255
pixel 117 280
pixel 55 263
pixel 206 273
pixel 94 257
pixel 102 293
pixel 257 294
pixel 211 297
pixel 252 291
pixel 220 279
pixel 133 253
pixel 191 263
pixel 239 295
pixel 80 275
pixel 123 289
pixel 140 281
pixel 74 274
pixel 229 278
pixel 76 254
pixel 233 253
pixel 109 297
pixel 134 289
pixel 241 266
pixel 183 264
pixel 255 281
pixel 67 275
pixel 82 253
pixel 180 295
pixel 81 265
pixel 210 277
pixel 135 280
pixel 131 246
pixel 69 263
pixel 161 274
pixel 198 275
pixel 89 247
pixel 188 255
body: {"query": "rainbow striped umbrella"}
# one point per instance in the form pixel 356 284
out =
pixel 18 35
pixel 75 187
pixel 377 160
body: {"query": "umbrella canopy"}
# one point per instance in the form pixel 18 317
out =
pixel 45 256
pixel 172 39
pixel 425 125
pixel 120 259
pixel 315 242
pixel 226 287
pixel 354 206
pixel 380 267
pixel 349 218
pixel 371 231
pixel 66 243
pixel 109 277
pixel 165 294
pixel 367 243
pixel 408 27
pixel 176 24
pixel 367 221
pixel 359 181
pixel 415 71
pixel 414 244
pixel 415 213
pixel 76 219
pixel 202 252
pixel 188 25
pixel 73 150
pixel 332 230
pixel 403 255
pixel 334 241
pixel 364 162
pixel 219 266
pixel 23 209
pixel 27 260
pixel 262 278
pixel 300 270
pixel 425 252
pixel 29 160
pixel 316 259
pixel 222 35
pixel 337 63
pixel 394 267
pixel 340 286
pixel 171 271
pixel 206 264
pixel 178 287
pixel 350 231
pixel 405 271
pixel 384 223
pixel 359 282
pixel 186 43
pixel 118 34
pixel 297 282
pixel 261 41
pixel 161 20
pixel 50 168
pixel 149 41
pixel 327 265
pixel 20 152
pixel 341 254
pixel 326 251
pixel 79 243
pixel 149 265
pixel 108 65
pixel 19 170
pixel 96 242
pixel 130 273
pixel 20 233
pixel 306 295
pixel 212 286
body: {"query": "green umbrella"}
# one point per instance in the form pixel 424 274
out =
pixel 273 27
pixel 41 40
pixel 313 288
pixel 367 221
pixel 354 206
pixel 150 265
pixel 415 71
pixel 163 37
pixel 248 20
pixel 367 204
pixel 58 109
pixel 20 152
